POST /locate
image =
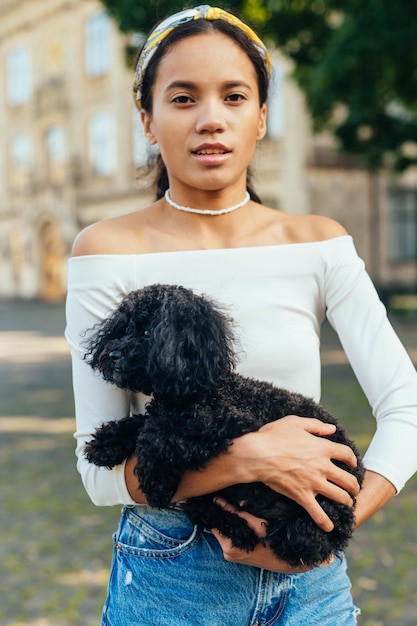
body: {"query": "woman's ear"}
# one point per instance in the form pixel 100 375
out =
pixel 147 127
pixel 262 123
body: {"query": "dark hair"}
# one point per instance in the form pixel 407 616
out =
pixel 188 29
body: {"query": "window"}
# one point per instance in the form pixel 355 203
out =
pixel 21 160
pixel 21 152
pixel 56 149
pixel 275 120
pixel 56 144
pixel 404 225
pixel 97 47
pixel 18 77
pixel 102 144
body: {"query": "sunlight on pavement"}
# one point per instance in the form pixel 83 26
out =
pixel 31 347
pixel 85 577
pixel 25 424
pixel 333 357
pixel 36 622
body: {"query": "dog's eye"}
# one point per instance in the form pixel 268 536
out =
pixel 146 333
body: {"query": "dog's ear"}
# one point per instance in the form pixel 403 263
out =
pixel 113 327
pixel 192 348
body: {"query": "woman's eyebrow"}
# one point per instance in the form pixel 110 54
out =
pixel 181 84
pixel 232 84
pixel 185 84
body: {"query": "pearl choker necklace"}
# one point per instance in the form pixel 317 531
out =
pixel 187 209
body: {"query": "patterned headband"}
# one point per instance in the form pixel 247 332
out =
pixel 203 12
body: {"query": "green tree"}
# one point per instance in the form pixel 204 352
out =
pixel 357 65
pixel 355 61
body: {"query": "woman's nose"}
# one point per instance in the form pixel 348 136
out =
pixel 211 118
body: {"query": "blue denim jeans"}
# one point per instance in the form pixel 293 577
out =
pixel 165 572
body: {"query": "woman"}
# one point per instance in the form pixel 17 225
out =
pixel 201 84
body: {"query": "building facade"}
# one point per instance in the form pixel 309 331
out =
pixel 72 152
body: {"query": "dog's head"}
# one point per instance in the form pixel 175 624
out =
pixel 166 340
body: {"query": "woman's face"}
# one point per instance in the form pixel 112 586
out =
pixel 206 117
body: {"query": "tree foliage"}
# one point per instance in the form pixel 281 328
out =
pixel 355 61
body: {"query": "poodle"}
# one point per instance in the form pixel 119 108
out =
pixel 167 342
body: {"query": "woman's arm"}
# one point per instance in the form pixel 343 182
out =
pixel 388 379
pixel 382 367
pixel 375 493
pixel 96 284
pixel 289 455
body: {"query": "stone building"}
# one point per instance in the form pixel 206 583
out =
pixel 72 152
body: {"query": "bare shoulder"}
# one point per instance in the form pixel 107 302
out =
pixel 92 240
pixel 310 228
pixel 118 235
pixel 320 228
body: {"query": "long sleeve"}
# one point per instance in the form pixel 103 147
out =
pixel 91 296
pixel 381 365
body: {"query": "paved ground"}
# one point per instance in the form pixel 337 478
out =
pixel 56 545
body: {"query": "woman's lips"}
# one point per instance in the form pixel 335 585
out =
pixel 212 155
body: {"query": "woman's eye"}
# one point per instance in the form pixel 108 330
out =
pixel 182 99
pixel 235 97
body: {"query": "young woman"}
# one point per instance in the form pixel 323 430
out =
pixel 201 84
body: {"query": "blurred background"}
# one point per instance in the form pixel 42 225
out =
pixel 342 142
pixel 342 131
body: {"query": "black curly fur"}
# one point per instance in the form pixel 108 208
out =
pixel 167 341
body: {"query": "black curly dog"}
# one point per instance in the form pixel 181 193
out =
pixel 177 346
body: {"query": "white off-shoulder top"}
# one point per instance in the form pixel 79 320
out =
pixel 279 296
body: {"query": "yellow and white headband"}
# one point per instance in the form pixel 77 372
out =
pixel 160 32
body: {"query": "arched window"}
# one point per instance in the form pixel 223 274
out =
pixel 21 158
pixel 56 150
pixel 403 225
pixel 102 146
pixel 19 80
pixel 56 144
pixel 98 45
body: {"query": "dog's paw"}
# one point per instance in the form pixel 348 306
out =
pixel 158 483
pixel 113 442
pixel 103 456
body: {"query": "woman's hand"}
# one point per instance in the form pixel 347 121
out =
pixel 292 457
pixel 262 556
pixel 289 455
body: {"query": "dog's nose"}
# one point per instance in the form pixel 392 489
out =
pixel 115 355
